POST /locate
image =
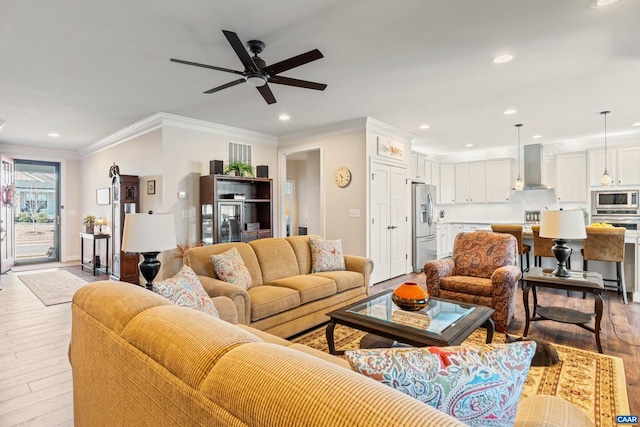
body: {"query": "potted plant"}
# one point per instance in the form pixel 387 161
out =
pixel 239 168
pixel 89 221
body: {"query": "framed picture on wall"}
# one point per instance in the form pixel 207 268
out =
pixel 392 149
pixel 103 196
pixel 151 186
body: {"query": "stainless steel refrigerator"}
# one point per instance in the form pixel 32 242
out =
pixel 425 246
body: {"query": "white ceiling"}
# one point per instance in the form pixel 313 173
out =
pixel 86 69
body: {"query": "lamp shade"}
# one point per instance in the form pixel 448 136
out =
pixel 562 224
pixel 148 232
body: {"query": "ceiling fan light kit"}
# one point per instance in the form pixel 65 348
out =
pixel 256 72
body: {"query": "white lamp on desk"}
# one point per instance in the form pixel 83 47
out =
pixel 148 234
pixel 562 226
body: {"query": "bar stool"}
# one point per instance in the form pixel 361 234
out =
pixel 542 248
pixel 607 244
pixel 516 231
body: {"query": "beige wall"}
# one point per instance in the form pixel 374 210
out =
pixel 174 157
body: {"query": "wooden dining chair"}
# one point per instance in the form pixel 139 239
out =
pixel 607 244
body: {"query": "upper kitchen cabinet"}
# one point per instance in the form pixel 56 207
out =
pixel 628 172
pixel 498 180
pixel 446 192
pixel 622 165
pixel 422 170
pixel 470 182
pixel 571 177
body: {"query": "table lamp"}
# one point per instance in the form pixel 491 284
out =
pixel 148 234
pixel 561 226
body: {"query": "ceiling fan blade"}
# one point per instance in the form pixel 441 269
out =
pixel 230 84
pixel 240 50
pixel 180 61
pixel 293 62
pixel 266 93
pixel 288 81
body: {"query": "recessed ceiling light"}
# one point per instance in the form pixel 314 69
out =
pixel 284 117
pixel 424 126
pixel 54 135
pixel 536 137
pixel 636 124
pixel 501 59
pixel 468 145
pixel 604 3
pixel 510 111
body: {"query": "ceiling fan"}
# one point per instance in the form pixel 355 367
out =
pixel 256 71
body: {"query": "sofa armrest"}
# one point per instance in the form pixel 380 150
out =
pixel 226 309
pixel 361 265
pixel 240 297
pixel 435 270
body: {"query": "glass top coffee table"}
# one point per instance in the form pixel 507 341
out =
pixel 441 323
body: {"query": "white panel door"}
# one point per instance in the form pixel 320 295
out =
pixel 380 206
pixel 398 219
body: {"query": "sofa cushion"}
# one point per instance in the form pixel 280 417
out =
pixel 479 385
pixel 467 285
pixel 326 255
pixel 269 300
pixel 184 289
pixel 301 248
pixel 276 257
pixel 344 279
pixel 199 259
pixel 310 287
pixel 230 267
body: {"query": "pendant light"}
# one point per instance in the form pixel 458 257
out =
pixel 605 181
pixel 519 185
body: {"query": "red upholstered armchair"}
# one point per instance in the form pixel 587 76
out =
pixel 481 271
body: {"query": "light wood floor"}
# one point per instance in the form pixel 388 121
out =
pixel 35 375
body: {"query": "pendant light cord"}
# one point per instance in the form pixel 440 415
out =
pixel 605 139
pixel 519 163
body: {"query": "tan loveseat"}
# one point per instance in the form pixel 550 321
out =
pixel 285 297
pixel 139 360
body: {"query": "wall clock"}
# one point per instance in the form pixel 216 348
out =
pixel 342 177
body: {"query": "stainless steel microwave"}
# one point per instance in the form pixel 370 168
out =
pixel 615 199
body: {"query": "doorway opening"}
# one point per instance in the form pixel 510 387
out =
pixel 37 212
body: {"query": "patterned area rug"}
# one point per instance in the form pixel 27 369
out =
pixel 592 381
pixel 53 286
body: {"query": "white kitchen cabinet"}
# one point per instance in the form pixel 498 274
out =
pixel 628 172
pixel 447 185
pixel 498 180
pixel 571 177
pixel 418 169
pixel 443 239
pixel 596 166
pixel 470 182
pixel 455 229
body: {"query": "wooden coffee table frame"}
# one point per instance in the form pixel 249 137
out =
pixel 591 283
pixel 453 335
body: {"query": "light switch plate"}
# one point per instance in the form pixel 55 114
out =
pixel 354 213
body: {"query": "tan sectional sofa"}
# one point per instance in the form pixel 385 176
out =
pixel 139 360
pixel 285 297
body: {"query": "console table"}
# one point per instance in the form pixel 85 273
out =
pixel 94 238
pixel 581 281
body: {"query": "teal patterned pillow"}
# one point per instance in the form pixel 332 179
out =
pixel 326 255
pixel 230 267
pixel 185 290
pixel 479 385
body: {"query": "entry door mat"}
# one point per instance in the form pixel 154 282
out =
pixel 592 381
pixel 52 287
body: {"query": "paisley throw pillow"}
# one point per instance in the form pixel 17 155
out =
pixel 326 255
pixel 185 290
pixel 479 385
pixel 230 267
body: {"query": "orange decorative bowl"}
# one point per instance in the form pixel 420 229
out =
pixel 410 296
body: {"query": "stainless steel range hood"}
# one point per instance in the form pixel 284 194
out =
pixel 533 168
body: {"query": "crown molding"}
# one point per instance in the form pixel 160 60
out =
pixel 387 129
pixel 158 120
pixel 353 125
